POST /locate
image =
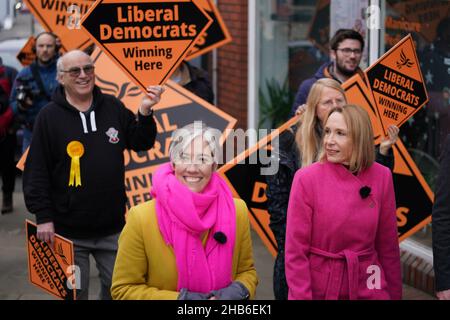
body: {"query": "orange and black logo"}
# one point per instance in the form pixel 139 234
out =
pixel 215 36
pixel 397 84
pixel 51 269
pixel 147 39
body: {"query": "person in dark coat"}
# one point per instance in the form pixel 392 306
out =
pixel 441 226
pixel 35 84
pixel 195 80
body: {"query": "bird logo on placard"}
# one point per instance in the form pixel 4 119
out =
pixel 60 252
pixel 404 61
pixel 124 90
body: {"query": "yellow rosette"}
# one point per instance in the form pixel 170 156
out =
pixel 75 150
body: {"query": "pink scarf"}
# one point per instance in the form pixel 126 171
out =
pixel 183 216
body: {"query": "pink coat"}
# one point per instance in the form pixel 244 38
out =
pixel 339 245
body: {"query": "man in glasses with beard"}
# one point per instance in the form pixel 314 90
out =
pixel 346 48
pixel 74 177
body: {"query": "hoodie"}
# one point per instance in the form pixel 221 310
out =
pixel 97 207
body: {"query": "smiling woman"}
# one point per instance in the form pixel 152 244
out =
pixel 192 241
pixel 341 219
pixel 348 138
pixel 192 155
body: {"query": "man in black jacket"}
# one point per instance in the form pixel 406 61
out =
pixel 441 226
pixel 74 173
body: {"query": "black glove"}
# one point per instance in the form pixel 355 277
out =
pixel 235 291
pixel 188 295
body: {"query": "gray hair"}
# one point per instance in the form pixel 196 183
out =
pixel 183 137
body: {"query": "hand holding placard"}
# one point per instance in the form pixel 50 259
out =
pixel 152 97
pixel 388 142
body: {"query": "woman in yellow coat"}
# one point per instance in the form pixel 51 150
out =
pixel 192 241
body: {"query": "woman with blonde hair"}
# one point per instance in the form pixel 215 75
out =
pixel 341 237
pixel 325 94
pixel 300 147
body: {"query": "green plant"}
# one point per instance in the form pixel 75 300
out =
pixel 276 105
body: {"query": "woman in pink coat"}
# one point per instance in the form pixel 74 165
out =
pixel 341 237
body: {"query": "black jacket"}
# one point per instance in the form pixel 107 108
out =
pixel 199 84
pixel 97 207
pixel 278 189
pixel 441 222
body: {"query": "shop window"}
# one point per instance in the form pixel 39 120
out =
pixel 293 38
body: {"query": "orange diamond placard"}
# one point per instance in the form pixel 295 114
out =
pixel 51 268
pixel 397 84
pixel 62 17
pixel 26 55
pixel 147 39
pixel 215 36
pixel 357 93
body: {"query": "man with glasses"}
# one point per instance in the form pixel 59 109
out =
pixel 346 52
pixel 74 173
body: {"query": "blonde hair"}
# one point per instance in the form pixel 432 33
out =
pixel 361 134
pixel 308 137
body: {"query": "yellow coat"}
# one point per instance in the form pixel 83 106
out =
pixel 145 267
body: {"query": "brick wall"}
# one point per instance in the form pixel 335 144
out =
pixel 417 273
pixel 232 62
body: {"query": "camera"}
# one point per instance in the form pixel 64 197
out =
pixel 25 93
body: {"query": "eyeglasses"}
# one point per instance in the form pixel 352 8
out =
pixel 76 71
pixel 333 102
pixel 348 51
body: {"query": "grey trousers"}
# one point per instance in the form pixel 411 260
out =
pixel 104 251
